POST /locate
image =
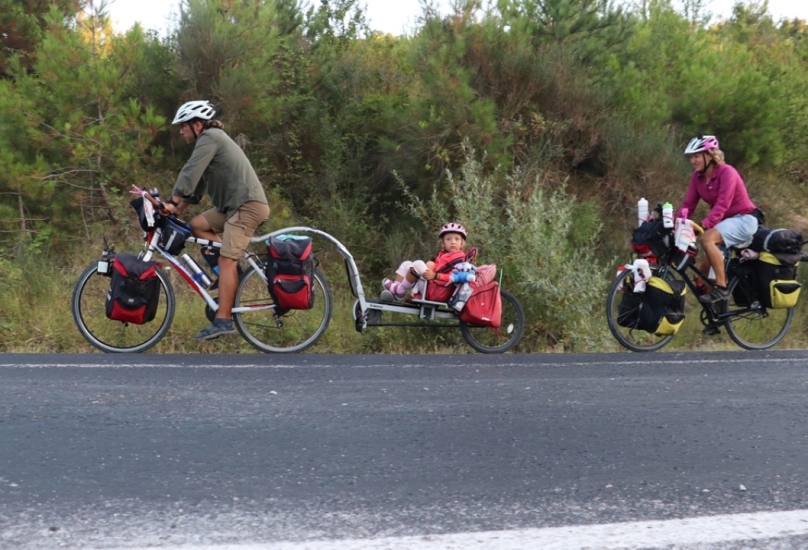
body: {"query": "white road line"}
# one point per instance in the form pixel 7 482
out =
pixel 614 536
pixel 269 365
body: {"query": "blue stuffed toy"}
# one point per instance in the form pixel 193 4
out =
pixel 463 272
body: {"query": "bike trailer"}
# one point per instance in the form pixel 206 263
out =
pixel 173 235
pixel 776 280
pixel 484 306
pixel 290 272
pixel 660 309
pixel 134 291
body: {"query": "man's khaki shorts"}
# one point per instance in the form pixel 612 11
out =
pixel 237 231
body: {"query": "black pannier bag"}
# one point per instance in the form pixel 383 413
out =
pixel 662 310
pixel 134 292
pixel 783 241
pixel 776 280
pixel 173 235
pixel 290 272
pixel 628 310
pixel 651 238
pixel 745 292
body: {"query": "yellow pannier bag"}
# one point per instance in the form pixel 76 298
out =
pixel 663 306
pixel 776 282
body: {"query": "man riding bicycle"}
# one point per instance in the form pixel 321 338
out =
pixel 219 166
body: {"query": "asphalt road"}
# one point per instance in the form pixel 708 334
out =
pixel 161 450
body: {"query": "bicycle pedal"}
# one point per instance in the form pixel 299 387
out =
pixel 711 330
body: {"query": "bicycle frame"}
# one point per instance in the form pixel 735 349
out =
pixel 152 238
pixel 716 317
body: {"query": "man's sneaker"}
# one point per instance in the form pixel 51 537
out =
pixel 717 294
pixel 389 296
pixel 219 327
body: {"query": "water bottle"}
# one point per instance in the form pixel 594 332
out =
pixel 462 296
pixel 211 257
pixel 667 215
pixel 701 286
pixel 642 211
pixel 197 273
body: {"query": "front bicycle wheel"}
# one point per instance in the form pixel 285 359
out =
pixel 489 340
pixel 291 332
pixel 750 325
pixel 89 313
pixel 621 309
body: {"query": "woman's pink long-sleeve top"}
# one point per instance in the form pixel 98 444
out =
pixel 725 193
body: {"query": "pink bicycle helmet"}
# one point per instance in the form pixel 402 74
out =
pixel 452 227
pixel 700 144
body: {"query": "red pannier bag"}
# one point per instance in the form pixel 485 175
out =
pixel 134 292
pixel 290 272
pixel 484 306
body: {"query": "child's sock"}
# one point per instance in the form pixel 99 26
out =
pixel 400 288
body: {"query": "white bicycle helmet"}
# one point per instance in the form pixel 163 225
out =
pixel 194 109
pixel 452 227
pixel 700 144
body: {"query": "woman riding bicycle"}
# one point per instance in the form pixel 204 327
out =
pixel 731 221
pixel 219 166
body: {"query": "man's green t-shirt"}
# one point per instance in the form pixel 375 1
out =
pixel 219 166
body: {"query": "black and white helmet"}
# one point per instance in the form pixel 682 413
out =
pixel 194 109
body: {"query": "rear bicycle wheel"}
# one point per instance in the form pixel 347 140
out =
pixel 512 326
pixel 89 313
pixel 750 325
pixel 269 332
pixel 628 337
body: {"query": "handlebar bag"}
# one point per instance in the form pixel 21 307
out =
pixel 662 310
pixel 134 292
pixel 173 235
pixel 484 306
pixel 776 280
pixel 651 239
pixel 290 272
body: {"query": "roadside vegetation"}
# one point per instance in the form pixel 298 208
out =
pixel 536 123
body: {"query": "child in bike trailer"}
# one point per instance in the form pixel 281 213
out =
pixel 733 218
pixel 415 273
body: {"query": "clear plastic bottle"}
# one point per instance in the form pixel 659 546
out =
pixel 197 273
pixel 667 215
pixel 642 211
pixel 462 296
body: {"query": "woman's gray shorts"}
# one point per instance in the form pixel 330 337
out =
pixel 738 230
